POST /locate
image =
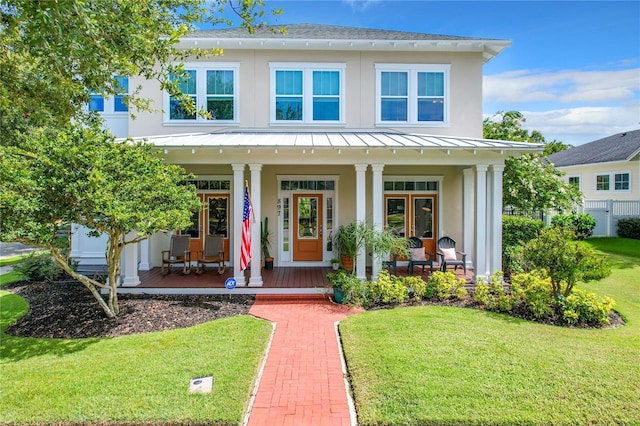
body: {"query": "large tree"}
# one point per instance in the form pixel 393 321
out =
pixel 530 182
pixel 57 166
pixel 81 175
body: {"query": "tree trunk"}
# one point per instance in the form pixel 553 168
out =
pixel 90 284
pixel 115 245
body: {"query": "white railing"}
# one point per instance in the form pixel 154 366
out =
pixel 608 212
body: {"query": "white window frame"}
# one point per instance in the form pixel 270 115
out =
pixel 612 180
pixel 412 108
pixel 307 69
pixel 579 180
pixel 201 69
pixel 109 103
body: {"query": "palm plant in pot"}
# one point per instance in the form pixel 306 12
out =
pixel 265 243
pixel 348 241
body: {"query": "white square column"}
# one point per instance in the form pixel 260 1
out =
pixel 238 207
pixel 256 218
pixel 378 213
pixel 495 218
pixel 129 271
pixel 468 216
pixel 361 216
pixel 480 223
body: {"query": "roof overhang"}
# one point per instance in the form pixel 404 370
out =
pixel 488 48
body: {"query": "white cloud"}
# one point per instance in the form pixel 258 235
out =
pixel 584 124
pixel 360 5
pixel 567 86
pixel 572 106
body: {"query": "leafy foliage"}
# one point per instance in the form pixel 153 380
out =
pixel 629 228
pixel 81 175
pixel 529 181
pixel 581 224
pixel 445 286
pixel 584 307
pixel 516 232
pixel 387 289
pixel 39 267
pixel 565 260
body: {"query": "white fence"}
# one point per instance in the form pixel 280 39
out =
pixel 607 214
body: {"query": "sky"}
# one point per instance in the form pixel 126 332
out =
pixel 573 68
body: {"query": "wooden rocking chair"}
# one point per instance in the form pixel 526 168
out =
pixel 213 253
pixel 178 253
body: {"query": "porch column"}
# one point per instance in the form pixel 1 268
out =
pixel 361 216
pixel 467 215
pixel 377 214
pixel 145 255
pixel 238 204
pixel 495 218
pixel 256 252
pixel 129 271
pixel 480 265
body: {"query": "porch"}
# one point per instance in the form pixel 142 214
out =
pixel 279 280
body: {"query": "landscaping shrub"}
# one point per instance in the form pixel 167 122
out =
pixel 493 295
pixel 629 228
pixel 581 224
pixel 481 293
pixel 445 286
pixel 584 307
pixel 516 232
pixel 566 261
pixel 387 289
pixel 39 267
pixel 534 290
pixel 417 286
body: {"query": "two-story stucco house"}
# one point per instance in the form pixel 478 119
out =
pixel 330 125
pixel 607 171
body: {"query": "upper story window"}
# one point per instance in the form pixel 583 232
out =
pixel 111 105
pixel 412 94
pixel 212 87
pixel 307 93
pixel 621 181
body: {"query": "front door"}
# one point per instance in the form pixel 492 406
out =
pixel 413 215
pixel 307 227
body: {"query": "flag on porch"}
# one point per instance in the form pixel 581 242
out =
pixel 245 249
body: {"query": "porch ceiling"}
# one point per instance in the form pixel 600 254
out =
pixel 385 140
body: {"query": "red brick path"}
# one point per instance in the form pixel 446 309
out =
pixel 302 382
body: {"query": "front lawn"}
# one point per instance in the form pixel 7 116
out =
pixel 445 365
pixel 135 378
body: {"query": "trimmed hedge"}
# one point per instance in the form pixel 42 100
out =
pixel 581 224
pixel 629 228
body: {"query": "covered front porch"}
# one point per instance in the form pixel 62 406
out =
pixel 279 280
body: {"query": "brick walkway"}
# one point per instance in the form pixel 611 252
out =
pixel 302 382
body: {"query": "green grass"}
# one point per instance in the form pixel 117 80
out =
pixel 446 366
pixel 10 277
pixel 623 246
pixel 130 378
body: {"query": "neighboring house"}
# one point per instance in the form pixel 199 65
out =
pixel 331 125
pixel 607 171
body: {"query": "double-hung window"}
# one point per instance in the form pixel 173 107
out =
pixel 113 104
pixel 307 93
pixel 212 87
pixel 613 181
pixel 412 94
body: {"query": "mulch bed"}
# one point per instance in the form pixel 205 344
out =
pixel 67 309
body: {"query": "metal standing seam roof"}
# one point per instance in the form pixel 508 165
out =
pixel 619 147
pixel 355 139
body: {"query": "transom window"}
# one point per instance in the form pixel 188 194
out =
pixel 111 105
pixel 307 93
pixel 211 87
pixel 412 94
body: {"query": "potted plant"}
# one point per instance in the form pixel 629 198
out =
pixel 386 244
pixel 348 241
pixel 347 288
pixel 335 263
pixel 265 243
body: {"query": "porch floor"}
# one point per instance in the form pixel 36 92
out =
pixel 279 279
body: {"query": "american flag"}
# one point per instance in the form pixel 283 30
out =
pixel 245 250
